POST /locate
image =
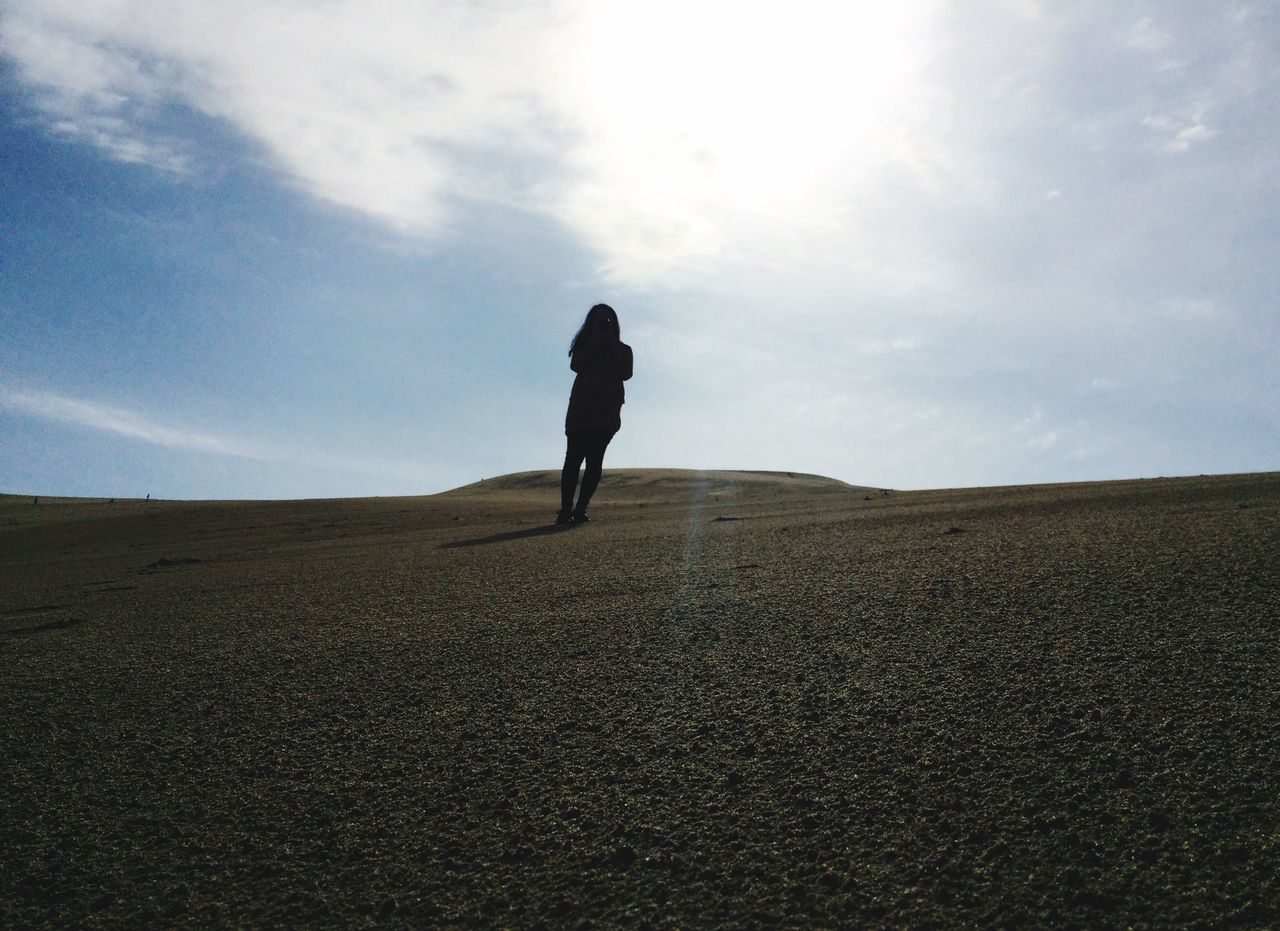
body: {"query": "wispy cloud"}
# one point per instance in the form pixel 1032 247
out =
pixel 135 426
pixel 1191 308
pixel 1145 35
pixel 93 94
pixel 116 137
pixel 1180 135
pixel 128 424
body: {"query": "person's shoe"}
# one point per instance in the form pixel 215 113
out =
pixel 580 517
pixel 563 517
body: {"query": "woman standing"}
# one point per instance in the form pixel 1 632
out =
pixel 603 363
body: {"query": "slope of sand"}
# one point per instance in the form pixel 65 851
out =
pixel 733 699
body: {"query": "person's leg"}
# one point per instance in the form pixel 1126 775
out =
pixel 575 452
pixel 598 443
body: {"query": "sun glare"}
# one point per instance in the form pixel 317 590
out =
pixel 754 106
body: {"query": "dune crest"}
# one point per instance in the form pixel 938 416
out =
pixel 626 484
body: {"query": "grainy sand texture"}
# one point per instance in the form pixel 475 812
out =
pixel 734 699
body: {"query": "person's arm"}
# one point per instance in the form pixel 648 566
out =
pixel 581 359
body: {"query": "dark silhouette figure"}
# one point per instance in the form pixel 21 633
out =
pixel 603 363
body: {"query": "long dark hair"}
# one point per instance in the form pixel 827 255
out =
pixel 601 313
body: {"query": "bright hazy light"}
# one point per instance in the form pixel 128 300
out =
pixel 707 115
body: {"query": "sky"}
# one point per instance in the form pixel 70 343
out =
pixel 291 249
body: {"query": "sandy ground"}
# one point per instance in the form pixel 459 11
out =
pixel 734 699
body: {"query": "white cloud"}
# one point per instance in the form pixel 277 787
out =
pixel 1036 435
pixel 116 137
pixel 134 426
pixel 1190 308
pixel 1146 36
pixel 1188 136
pixel 123 423
pixel 89 93
pixel 359 102
pixel 668 134
pixel 1180 135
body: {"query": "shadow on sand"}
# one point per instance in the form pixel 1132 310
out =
pixel 510 535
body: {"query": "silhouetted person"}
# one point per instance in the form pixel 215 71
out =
pixel 603 363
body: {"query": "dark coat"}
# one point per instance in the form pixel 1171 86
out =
pixel 602 364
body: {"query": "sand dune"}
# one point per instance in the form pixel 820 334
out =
pixel 735 698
